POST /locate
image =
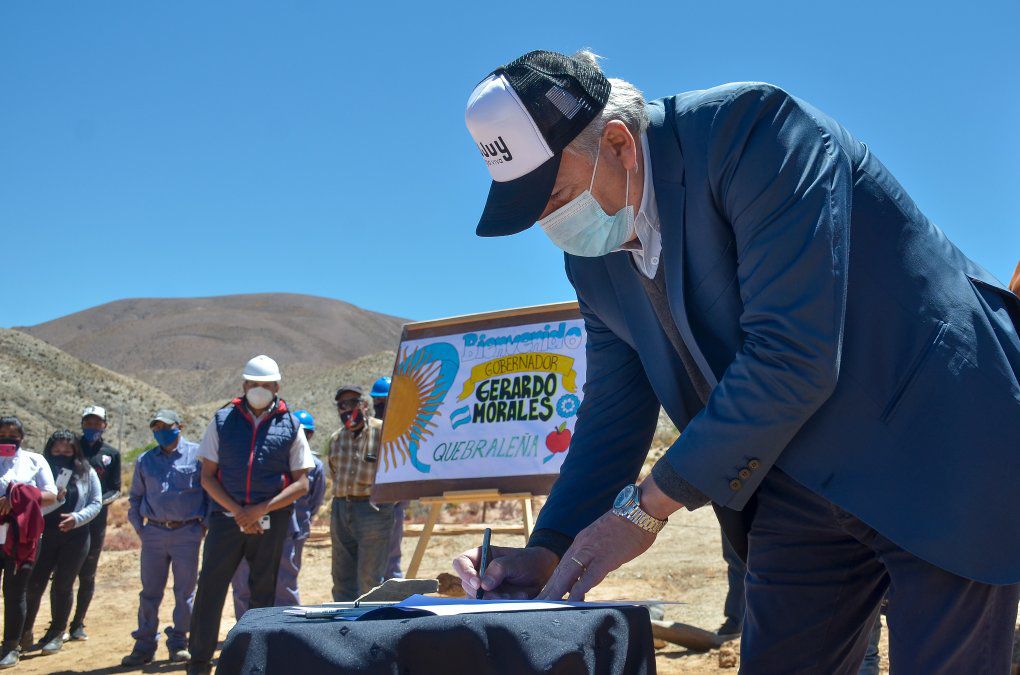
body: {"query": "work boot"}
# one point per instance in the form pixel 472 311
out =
pixel 730 630
pixel 136 658
pixel 179 654
pixel 51 644
pixel 78 633
pixel 10 659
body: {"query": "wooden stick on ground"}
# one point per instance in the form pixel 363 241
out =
pixel 682 634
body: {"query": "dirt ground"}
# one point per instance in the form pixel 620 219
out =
pixel 684 565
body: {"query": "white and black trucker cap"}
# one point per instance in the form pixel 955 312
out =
pixel 521 117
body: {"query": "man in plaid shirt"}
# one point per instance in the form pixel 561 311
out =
pixel 360 530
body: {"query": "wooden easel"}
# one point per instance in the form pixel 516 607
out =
pixel 430 528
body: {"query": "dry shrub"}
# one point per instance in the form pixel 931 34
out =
pixel 121 539
pixel 117 516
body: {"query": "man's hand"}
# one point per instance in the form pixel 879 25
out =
pixel 597 550
pixel 247 516
pixel 61 493
pixel 66 522
pixel 5 506
pixel 253 529
pixel 514 573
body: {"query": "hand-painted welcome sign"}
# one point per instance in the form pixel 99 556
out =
pixel 482 401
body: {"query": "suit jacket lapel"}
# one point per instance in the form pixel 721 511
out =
pixel 668 180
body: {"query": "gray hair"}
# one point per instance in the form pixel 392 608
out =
pixel 626 103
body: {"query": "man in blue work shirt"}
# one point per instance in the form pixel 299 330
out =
pixel 305 509
pixel 168 509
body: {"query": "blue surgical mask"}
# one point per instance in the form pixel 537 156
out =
pixel 91 435
pixel 166 437
pixel 581 226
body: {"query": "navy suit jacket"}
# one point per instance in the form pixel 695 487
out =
pixel 847 340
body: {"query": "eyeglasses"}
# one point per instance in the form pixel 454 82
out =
pixel 348 404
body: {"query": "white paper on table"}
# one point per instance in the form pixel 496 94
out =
pixel 455 606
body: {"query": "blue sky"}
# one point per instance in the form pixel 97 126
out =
pixel 168 149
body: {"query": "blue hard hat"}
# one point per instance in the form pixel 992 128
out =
pixel 381 388
pixel 306 419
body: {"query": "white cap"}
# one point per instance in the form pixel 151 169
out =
pixel 96 410
pixel 262 369
pixel 504 131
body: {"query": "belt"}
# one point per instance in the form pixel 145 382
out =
pixel 173 524
pixel 352 498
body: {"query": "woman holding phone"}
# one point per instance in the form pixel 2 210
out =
pixel 65 542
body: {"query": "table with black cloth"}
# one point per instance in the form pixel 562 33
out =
pixel 589 640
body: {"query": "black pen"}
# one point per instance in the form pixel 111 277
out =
pixel 484 562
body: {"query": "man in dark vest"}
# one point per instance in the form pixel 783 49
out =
pixel 255 462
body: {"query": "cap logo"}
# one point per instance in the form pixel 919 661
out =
pixel 565 102
pixel 496 152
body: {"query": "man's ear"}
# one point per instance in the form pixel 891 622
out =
pixel 621 143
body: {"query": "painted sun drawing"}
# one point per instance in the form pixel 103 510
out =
pixel 421 381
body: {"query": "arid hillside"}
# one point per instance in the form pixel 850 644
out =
pixel 48 388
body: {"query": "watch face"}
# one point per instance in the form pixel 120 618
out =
pixel 625 498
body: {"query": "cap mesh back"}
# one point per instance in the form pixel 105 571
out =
pixel 563 95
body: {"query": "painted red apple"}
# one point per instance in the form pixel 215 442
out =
pixel 558 439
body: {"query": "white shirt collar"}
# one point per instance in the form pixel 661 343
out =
pixel 646 249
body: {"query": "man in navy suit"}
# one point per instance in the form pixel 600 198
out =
pixel 845 379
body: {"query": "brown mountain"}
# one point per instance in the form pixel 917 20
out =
pixel 194 348
pixel 48 388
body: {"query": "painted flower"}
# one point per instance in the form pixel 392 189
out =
pixel 567 405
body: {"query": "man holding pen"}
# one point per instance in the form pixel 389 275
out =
pixel 839 369
pixel 255 461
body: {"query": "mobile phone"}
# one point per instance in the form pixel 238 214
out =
pixel 264 522
pixel 63 478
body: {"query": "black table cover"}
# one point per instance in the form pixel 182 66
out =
pixel 609 640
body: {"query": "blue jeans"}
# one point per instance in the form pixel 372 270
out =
pixel 816 576
pixel 872 658
pixel 360 533
pixel 163 549
pixel 392 570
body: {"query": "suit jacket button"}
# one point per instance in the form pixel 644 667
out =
pixel 744 474
pixel 735 484
pixel 754 465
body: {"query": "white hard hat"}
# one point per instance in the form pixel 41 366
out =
pixel 96 410
pixel 262 369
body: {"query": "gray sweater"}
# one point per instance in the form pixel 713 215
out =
pixel 90 499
